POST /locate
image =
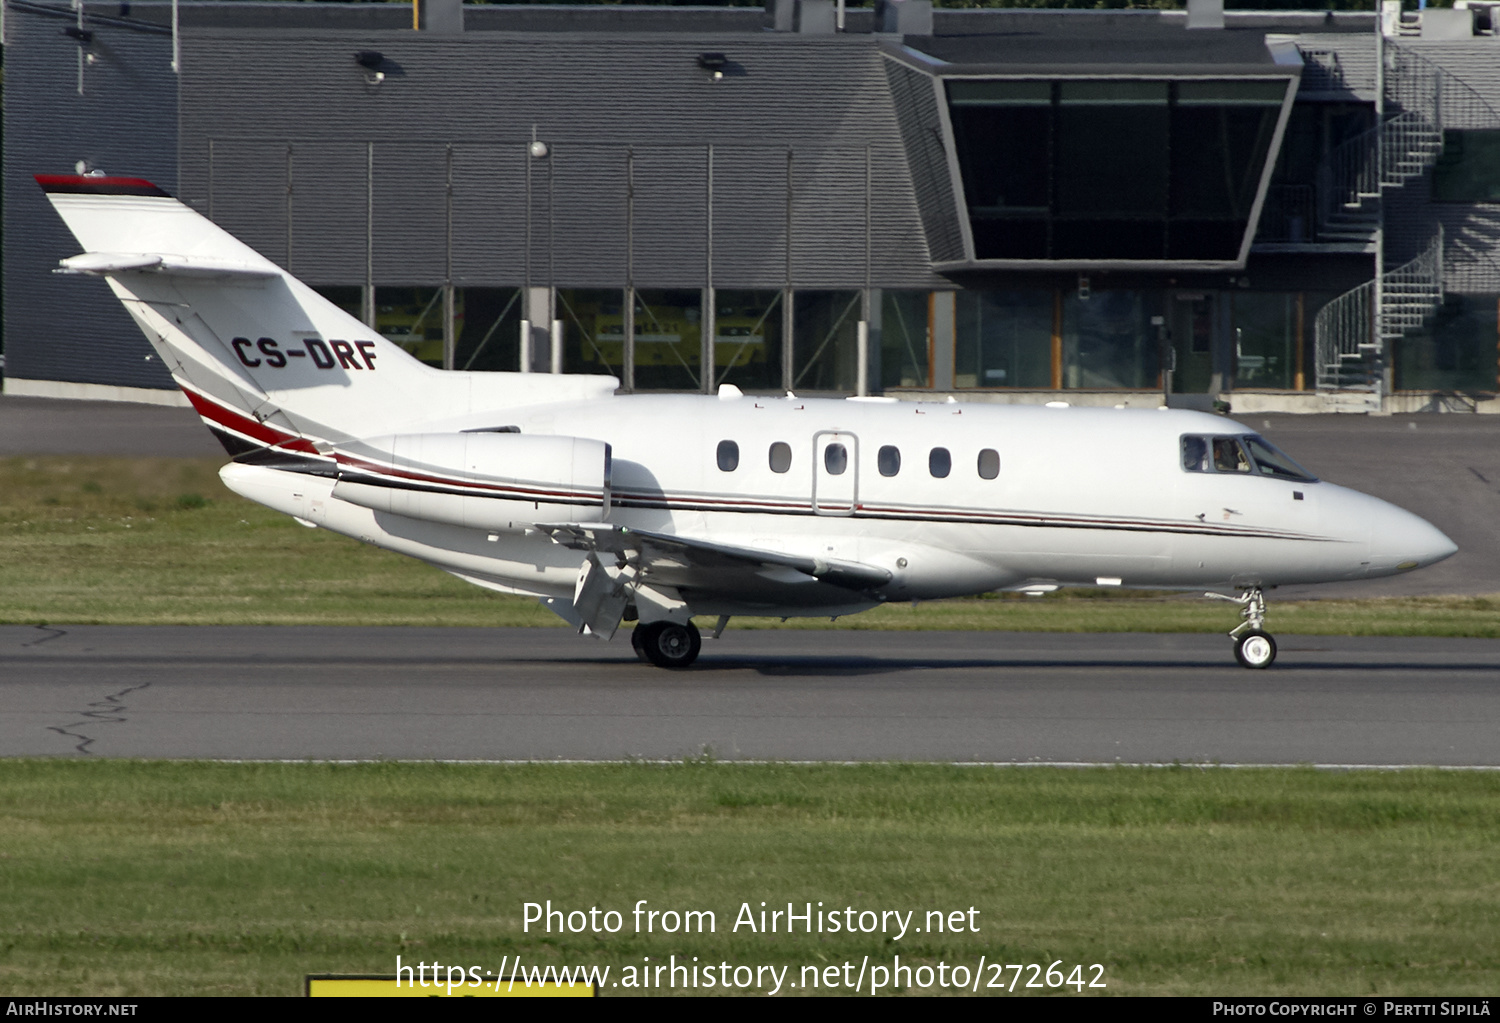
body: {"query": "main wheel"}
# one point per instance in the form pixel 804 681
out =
pixel 1255 649
pixel 669 644
pixel 638 642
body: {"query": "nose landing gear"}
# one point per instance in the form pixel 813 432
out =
pixel 1253 646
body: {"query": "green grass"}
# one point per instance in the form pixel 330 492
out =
pixel 112 541
pixel 136 878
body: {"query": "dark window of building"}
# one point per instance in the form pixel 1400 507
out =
pixel 413 319
pixel 888 461
pixel 668 339
pixel 905 318
pixel 825 349
pixel 1112 169
pixel 1469 168
pixel 939 462
pixel 593 330
pixel 729 456
pixel 1455 351
pixel 747 339
pixel 989 464
pixel 835 459
pixel 1108 340
pixel 781 457
pixel 488 324
pixel 1003 339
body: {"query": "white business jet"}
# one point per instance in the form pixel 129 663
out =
pixel 658 508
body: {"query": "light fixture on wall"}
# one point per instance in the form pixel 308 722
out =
pixel 371 61
pixel 714 64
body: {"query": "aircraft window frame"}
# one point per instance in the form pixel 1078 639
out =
pixel 780 456
pixel 888 458
pixel 1276 463
pixel 1209 453
pixel 940 458
pixel 1193 449
pixel 835 459
pixel 728 456
pixel 993 466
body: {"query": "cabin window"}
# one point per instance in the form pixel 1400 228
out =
pixel 989 464
pixel 888 461
pixel 781 457
pixel 940 462
pixel 729 456
pixel 835 459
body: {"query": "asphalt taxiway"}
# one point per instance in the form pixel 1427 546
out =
pixel 541 694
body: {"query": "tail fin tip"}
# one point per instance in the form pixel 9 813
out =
pixel 97 184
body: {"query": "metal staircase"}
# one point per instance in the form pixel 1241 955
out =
pixel 1355 332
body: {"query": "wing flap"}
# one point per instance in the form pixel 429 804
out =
pixel 700 562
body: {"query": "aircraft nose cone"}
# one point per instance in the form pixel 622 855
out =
pixel 1401 541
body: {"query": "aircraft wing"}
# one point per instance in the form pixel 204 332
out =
pixel 706 566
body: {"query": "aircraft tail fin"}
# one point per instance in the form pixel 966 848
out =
pixel 268 362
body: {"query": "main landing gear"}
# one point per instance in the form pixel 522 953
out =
pixel 667 644
pixel 1253 646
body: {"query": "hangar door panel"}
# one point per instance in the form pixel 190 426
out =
pixel 329 212
pixel 248 193
pixel 828 219
pixel 411 213
pixel 670 215
pixel 750 216
pixel 587 227
pixel 489 214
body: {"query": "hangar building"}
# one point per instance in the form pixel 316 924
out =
pixel 1284 211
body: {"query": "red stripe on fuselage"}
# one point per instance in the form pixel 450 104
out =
pixel 254 429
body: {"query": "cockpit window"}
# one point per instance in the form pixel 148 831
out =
pixel 1195 454
pixel 1250 455
pixel 1229 456
pixel 1269 461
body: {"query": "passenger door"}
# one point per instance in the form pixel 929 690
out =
pixel 835 472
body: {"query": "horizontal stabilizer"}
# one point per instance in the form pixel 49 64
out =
pixel 103 264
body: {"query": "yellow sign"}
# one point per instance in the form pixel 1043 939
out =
pixel 330 985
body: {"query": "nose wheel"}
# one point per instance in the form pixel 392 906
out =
pixel 667 644
pixel 1254 647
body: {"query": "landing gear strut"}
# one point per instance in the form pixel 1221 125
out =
pixel 1253 646
pixel 667 644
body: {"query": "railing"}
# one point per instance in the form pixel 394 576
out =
pixel 1341 330
pixel 1354 331
pixel 1351 333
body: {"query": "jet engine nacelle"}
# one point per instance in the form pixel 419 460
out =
pixel 497 481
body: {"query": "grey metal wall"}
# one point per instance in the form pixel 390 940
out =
pixel 916 98
pixel 64 327
pixel 780 169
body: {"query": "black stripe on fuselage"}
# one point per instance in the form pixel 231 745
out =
pixel 292 463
